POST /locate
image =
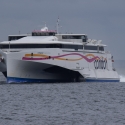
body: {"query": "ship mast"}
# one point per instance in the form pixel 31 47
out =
pixel 57 25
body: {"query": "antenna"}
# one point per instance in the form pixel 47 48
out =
pixel 45 28
pixel 57 25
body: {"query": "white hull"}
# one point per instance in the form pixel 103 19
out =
pixel 78 66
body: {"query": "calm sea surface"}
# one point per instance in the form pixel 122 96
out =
pixel 63 103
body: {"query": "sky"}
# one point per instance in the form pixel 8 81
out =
pixel 99 19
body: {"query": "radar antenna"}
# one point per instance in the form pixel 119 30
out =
pixel 45 28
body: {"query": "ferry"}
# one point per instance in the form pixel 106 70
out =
pixel 45 56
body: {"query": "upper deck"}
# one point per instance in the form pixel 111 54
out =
pixel 60 37
pixel 50 39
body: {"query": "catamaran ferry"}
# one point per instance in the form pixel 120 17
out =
pixel 46 56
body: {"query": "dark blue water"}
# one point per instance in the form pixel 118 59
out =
pixel 63 103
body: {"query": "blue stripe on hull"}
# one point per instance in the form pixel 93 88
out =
pixel 101 80
pixel 26 80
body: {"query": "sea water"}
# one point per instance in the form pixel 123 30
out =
pixel 63 103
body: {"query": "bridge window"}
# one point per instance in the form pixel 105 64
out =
pixel 83 37
pixel 90 47
pixel 72 37
pixel 43 33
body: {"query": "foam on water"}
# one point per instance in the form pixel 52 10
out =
pixel 122 78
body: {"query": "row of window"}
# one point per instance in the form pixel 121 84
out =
pixel 43 33
pixel 73 37
pixel 101 48
pixel 16 46
pixel 10 38
pixel 66 46
pixel 83 37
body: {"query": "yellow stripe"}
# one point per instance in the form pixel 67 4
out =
pixel 90 55
pixel 27 55
pixel 68 59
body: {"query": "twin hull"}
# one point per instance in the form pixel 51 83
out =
pixel 57 65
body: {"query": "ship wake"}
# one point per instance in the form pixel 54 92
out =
pixel 122 78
